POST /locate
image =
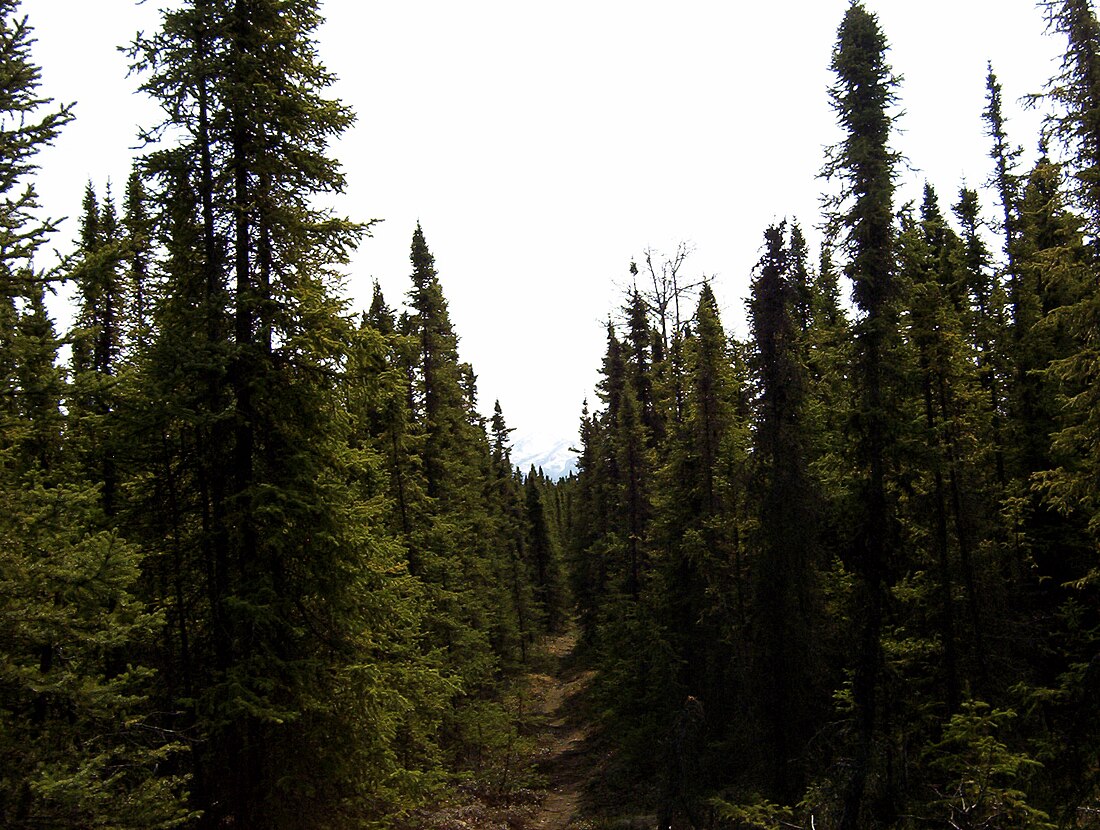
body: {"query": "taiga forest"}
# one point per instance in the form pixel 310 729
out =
pixel 266 565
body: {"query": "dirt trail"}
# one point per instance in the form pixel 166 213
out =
pixel 561 758
pixel 563 749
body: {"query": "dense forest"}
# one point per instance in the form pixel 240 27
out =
pixel 265 564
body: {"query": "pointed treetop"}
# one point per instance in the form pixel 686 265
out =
pixel 706 296
pixel 422 260
pixel 502 450
pixel 380 316
pixel 862 96
pixel 89 220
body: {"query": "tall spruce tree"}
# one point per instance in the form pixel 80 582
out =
pixel 864 92
pixel 587 567
pixel 1004 178
pixel 787 673
pixel 141 290
pixel 438 392
pixel 467 550
pixel 1069 515
pixel 1071 485
pixel 928 251
pixel 98 342
pixel 284 587
pixel 1076 89
pixel 507 505
pixel 542 543
pixel 1052 278
pixel 700 519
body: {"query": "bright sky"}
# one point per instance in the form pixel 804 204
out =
pixel 544 146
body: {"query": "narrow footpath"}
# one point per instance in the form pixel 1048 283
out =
pixel 558 746
pixel 562 757
pixel 572 762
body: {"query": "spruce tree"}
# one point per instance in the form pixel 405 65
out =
pixel 927 253
pixel 643 359
pixel 141 290
pixel 787 672
pixel 78 747
pixel 587 567
pixel 98 343
pixel 1052 279
pixel 1004 179
pixel 438 392
pixel 542 544
pixel 1070 484
pixel 384 380
pixel 863 161
pixel 507 505
pixel 470 561
pixel 1076 89
pixel 986 322
pixel 828 349
pixel 284 585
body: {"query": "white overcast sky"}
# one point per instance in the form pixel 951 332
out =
pixel 543 146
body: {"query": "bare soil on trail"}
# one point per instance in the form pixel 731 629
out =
pixel 564 757
pixel 573 763
pixel 558 747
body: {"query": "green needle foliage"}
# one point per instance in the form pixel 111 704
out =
pixel 80 745
pixel 265 563
pixel 863 529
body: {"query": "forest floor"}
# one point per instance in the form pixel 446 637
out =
pixel 566 762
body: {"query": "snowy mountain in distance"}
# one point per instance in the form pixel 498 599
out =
pixel 551 454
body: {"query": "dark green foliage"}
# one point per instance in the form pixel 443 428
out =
pixel 266 565
pixel 705 589
pixel 908 531
pixel 293 618
pixel 79 745
pixel 862 97
pixel 980 776
pixel 545 558
pixel 929 251
pixel 141 291
pixel 1070 486
pixel 787 669
pixel 528 610
pixel 438 392
pixel 468 540
pixel 97 344
pixel 588 575
pixel 1076 89
pixel 1004 177
pixel 32 125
